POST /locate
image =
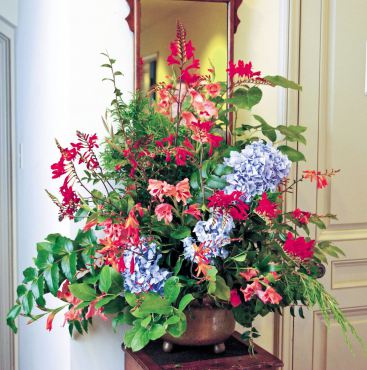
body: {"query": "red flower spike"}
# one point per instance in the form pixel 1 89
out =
pixel 302 216
pixel 298 247
pixel 231 203
pixel 267 208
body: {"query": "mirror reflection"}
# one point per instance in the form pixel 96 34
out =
pixel 206 25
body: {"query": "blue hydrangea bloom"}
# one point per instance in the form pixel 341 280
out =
pixel 214 233
pixel 257 168
pixel 147 275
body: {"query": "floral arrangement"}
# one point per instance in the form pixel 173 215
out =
pixel 181 205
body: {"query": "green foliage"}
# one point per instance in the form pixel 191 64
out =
pixel 283 82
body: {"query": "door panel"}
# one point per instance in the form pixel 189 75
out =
pixel 332 64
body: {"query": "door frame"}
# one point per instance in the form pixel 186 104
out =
pixel 8 347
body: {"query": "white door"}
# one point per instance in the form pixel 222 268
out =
pixel 328 53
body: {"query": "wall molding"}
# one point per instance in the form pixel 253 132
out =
pixel 8 344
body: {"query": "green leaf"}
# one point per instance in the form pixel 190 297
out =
pixel 221 170
pixel 44 257
pixel 181 232
pixel 103 301
pixel 131 299
pixel 29 274
pixel 80 215
pixel 12 315
pixel 140 339
pixel 267 130
pixel 283 82
pixel 38 288
pixel 195 181
pixel 172 289
pixel 68 266
pixel 145 322
pixel 156 331
pixel 206 168
pixel 51 275
pixel 178 329
pixel 62 245
pixel 185 301
pixel 21 290
pixel 292 154
pixel 240 257
pixel 105 279
pixel 293 133
pixel 152 303
pixel 215 182
pixel 116 282
pixel 83 291
pixel 246 98
pixel 222 290
pixel 27 302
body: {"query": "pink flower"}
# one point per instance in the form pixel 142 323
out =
pixel 182 191
pixel 159 189
pixel 213 89
pixel 194 211
pixel 235 298
pixel 187 118
pixel 251 290
pixel 269 296
pixel 249 274
pixel 164 212
pixel 298 247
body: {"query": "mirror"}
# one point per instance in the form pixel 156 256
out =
pixel 210 24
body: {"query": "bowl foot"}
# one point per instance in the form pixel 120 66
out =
pixel 167 346
pixel 219 348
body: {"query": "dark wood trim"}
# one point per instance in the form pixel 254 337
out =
pixel 262 360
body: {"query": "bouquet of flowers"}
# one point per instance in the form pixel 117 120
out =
pixel 181 206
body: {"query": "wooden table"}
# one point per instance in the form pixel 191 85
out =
pixel 236 357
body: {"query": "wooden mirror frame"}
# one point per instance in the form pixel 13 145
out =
pixel 134 22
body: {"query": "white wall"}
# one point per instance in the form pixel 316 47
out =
pixel 59 89
pixel 9 10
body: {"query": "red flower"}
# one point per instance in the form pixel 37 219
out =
pixel 298 247
pixel 269 296
pixel 194 211
pixel 201 134
pixel 242 70
pixel 231 203
pixel 182 192
pixel 92 311
pixel 181 155
pixel 267 208
pixel 58 169
pixel 302 216
pixel 320 178
pixel 159 189
pixel 235 298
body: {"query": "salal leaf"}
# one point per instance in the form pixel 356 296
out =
pixel 105 279
pixel 83 291
pixel 283 82
pixel 172 289
pixel 51 275
pixel 185 301
pixel 246 98
pixel 181 232
pixel 68 265
pixel 267 130
pixel 292 154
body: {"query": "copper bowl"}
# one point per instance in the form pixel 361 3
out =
pixel 205 326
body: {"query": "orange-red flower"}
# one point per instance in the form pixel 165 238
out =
pixel 235 298
pixel 164 212
pixel 298 247
pixel 194 211
pixel 251 290
pixel 317 176
pixel 267 208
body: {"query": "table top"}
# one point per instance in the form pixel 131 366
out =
pixel 236 357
